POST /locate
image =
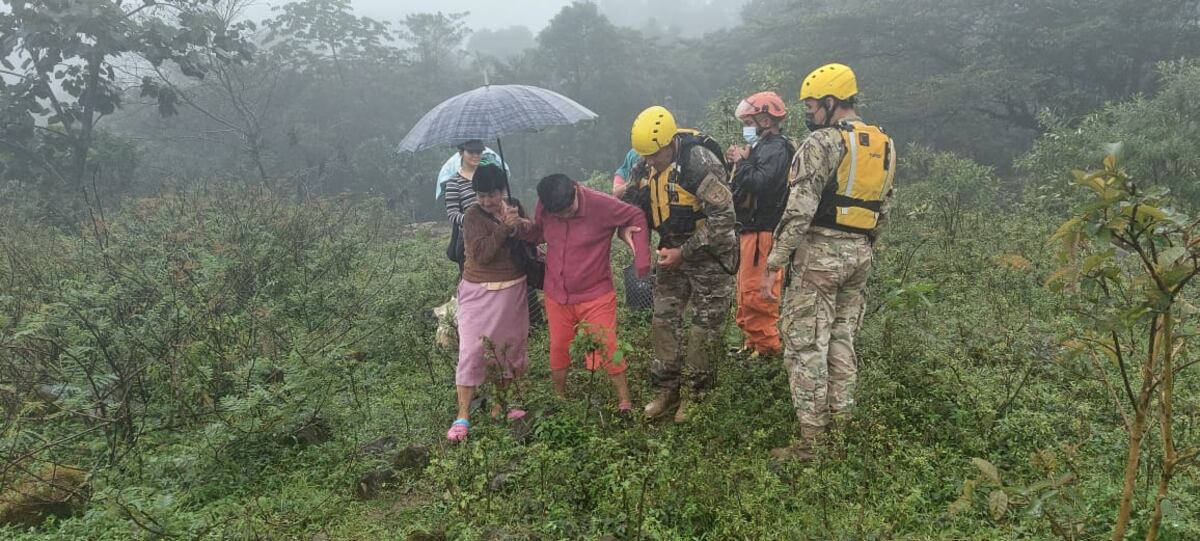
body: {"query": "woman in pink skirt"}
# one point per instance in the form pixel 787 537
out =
pixel 493 314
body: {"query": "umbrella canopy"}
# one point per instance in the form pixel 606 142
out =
pixel 492 111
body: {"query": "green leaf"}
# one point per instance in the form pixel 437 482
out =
pixel 1175 274
pixel 1095 260
pixel 1171 254
pixel 1060 278
pixel 1144 213
pixel 1168 508
pixel 1068 227
pixel 963 502
pixel 998 504
pixel 988 470
pixel 1091 181
pixel 1110 162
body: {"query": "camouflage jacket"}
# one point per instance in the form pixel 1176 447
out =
pixel 814 166
pixel 716 235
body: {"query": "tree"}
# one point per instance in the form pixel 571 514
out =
pixel 434 38
pixel 580 48
pixel 67 80
pixel 934 70
pixel 583 56
pixel 682 18
pixel 350 82
pixel 1128 259
pixel 310 112
pixel 1160 138
pixel 503 43
pixel 235 99
pixel 325 32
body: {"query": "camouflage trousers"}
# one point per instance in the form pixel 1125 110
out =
pixel 821 310
pixel 707 289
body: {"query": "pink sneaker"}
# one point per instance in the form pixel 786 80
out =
pixel 515 413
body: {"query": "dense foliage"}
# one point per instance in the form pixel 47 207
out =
pixel 217 324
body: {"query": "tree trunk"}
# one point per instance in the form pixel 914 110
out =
pixel 1131 466
pixel 1137 432
pixel 1166 404
pixel 83 140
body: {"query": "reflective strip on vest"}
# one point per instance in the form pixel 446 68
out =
pixel 852 145
pixel 863 178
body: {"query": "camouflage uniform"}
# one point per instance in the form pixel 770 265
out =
pixel 701 280
pixel 823 303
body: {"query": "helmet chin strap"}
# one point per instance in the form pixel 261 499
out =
pixel 828 108
pixel 758 127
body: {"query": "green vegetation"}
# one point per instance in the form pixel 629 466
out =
pixel 216 327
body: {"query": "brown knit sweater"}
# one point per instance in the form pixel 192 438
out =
pixel 489 258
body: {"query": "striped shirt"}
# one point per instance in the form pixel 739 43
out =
pixel 459 198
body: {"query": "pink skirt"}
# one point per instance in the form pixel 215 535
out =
pixel 493 331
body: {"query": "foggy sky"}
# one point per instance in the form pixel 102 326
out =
pixel 533 14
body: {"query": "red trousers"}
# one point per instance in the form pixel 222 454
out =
pixel 757 316
pixel 598 317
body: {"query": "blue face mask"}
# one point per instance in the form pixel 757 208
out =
pixel 750 134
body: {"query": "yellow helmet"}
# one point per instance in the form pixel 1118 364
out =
pixel 652 130
pixel 835 80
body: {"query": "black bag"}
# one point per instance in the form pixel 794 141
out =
pixel 688 140
pixel 526 255
pixel 456 251
pixel 527 258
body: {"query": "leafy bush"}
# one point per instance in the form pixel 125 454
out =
pixel 224 362
pixel 1159 137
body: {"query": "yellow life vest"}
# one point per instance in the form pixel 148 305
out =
pixel 864 179
pixel 673 209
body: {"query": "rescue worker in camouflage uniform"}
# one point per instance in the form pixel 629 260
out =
pixel 681 184
pixel 841 182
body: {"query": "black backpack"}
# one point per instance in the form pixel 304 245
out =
pixel 689 140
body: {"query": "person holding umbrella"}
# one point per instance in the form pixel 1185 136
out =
pixel 487 112
pixel 460 196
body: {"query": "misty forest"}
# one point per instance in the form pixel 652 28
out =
pixel 224 280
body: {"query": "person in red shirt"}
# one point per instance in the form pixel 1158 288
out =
pixel 577 225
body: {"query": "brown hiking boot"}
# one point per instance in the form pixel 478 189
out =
pixel 803 449
pixel 799 451
pixel 664 402
pixel 681 413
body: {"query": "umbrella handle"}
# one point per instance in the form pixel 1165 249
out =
pixel 504 169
